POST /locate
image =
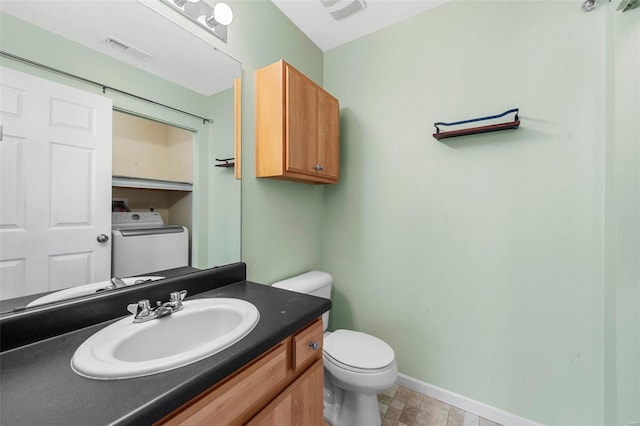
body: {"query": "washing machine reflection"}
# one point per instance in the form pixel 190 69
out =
pixel 142 243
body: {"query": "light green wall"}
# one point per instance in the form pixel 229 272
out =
pixel 282 222
pixel 224 189
pixel 626 181
pixel 609 227
pixel 479 259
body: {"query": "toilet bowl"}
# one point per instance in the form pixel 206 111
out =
pixel 357 366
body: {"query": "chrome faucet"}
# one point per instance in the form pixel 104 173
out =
pixel 143 310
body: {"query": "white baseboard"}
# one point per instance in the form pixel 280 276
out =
pixel 462 402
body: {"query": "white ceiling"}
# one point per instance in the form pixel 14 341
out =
pixel 183 52
pixel 186 57
pixel 314 19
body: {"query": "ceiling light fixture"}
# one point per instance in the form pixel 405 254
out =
pixel 213 19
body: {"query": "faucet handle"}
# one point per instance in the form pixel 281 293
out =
pixel 177 296
pixel 136 308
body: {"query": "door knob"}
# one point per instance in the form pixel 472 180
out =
pixel 102 238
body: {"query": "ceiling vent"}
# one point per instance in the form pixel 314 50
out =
pixel 126 48
pixel 340 9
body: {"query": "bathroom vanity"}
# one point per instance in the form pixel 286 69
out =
pixel 289 375
pixel 272 376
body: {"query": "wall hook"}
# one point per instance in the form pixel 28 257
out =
pixel 226 162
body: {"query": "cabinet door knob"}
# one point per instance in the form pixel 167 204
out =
pixel 102 238
pixel 318 167
pixel 314 345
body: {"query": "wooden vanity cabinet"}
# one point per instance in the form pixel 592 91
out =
pixel 282 387
pixel 297 127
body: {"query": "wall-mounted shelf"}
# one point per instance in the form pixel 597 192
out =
pixel 143 183
pixel 226 162
pixel 478 129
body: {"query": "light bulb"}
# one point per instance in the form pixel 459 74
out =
pixel 223 13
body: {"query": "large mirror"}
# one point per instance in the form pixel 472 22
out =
pixel 158 172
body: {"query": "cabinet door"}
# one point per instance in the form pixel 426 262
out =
pixel 328 135
pixel 240 397
pixel 301 123
pixel 299 404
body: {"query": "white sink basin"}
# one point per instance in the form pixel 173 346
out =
pixel 202 328
pixel 84 290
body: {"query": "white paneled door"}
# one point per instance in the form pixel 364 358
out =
pixel 55 187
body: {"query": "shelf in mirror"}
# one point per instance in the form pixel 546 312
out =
pixel 144 183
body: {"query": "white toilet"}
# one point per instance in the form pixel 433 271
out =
pixel 357 366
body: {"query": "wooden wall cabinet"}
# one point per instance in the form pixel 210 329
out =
pixel 282 387
pixel 297 127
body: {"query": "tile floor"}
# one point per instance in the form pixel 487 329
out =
pixel 400 406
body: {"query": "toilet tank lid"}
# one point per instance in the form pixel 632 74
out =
pixel 305 283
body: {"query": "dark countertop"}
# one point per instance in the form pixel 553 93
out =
pixel 39 387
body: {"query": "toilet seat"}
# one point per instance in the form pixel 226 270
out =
pixel 328 359
pixel 357 352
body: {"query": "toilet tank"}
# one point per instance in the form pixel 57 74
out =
pixel 315 283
